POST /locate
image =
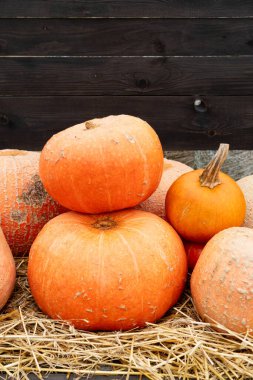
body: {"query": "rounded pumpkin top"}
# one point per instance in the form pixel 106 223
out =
pixel 14 153
pixel 103 164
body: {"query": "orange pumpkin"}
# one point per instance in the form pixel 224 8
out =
pixel 246 185
pixel 25 206
pixel 222 281
pixel 193 251
pixel 103 164
pixel 156 202
pixel 203 202
pixel 108 271
pixel 7 271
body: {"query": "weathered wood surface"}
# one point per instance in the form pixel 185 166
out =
pixel 129 8
pixel 126 76
pixel 27 122
pixel 62 62
pixel 122 37
pixel 239 163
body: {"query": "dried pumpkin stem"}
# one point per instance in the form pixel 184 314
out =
pixel 210 176
pixel 104 223
pixel 91 124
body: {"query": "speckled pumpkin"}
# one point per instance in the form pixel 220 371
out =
pixel 7 271
pixel 103 164
pixel 156 202
pixel 246 185
pixel 25 206
pixel 107 272
pixel 222 280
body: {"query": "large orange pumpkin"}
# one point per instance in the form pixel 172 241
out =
pixel 203 202
pixel 25 206
pixel 7 271
pixel 156 202
pixel 222 280
pixel 103 164
pixel 108 271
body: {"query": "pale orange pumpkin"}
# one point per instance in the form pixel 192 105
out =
pixel 7 271
pixel 103 164
pixel 156 202
pixel 25 206
pixel 108 271
pixel 246 185
pixel 222 281
pixel 203 202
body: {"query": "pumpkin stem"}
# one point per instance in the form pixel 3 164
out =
pixel 104 223
pixel 91 124
pixel 210 176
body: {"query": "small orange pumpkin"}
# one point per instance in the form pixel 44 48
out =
pixel 25 206
pixel 103 164
pixel 7 271
pixel 107 272
pixel 203 202
pixel 222 281
pixel 156 202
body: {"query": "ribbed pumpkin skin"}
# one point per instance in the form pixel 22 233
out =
pixel 24 204
pixel 111 279
pixel 113 166
pixel 246 185
pixel 197 212
pixel 7 271
pixel 156 202
pixel 222 281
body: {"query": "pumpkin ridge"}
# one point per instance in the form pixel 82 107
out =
pixel 136 266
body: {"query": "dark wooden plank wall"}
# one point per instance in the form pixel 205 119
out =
pixel 62 62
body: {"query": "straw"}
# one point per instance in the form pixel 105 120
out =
pixel 178 346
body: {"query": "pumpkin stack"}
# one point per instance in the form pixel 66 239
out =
pixel 105 265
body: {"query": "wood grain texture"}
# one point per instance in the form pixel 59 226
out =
pixel 238 164
pixel 126 76
pixel 27 123
pixel 135 37
pixel 185 156
pixel 131 8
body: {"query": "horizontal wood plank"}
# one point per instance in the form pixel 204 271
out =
pixel 126 76
pixel 129 8
pixel 27 123
pixel 135 37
